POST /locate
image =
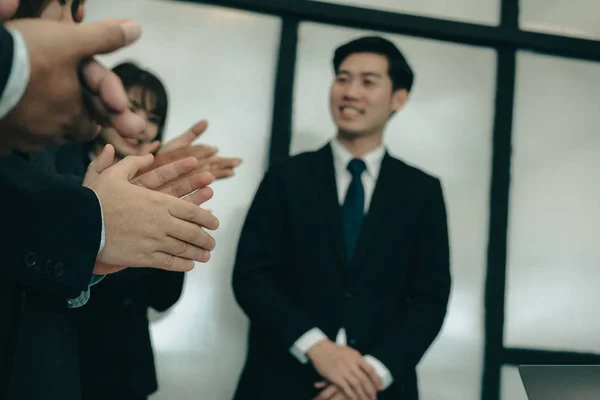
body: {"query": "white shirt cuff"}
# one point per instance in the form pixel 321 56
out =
pixel 306 341
pixel 103 234
pixel 384 374
pixel 19 74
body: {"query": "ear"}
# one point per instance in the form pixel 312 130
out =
pixel 399 98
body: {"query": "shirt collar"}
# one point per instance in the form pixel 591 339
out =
pixel 372 159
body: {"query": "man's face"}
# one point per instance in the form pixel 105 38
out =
pixel 67 11
pixel 361 96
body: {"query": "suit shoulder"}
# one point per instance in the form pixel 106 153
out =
pixel 416 173
pixel 297 162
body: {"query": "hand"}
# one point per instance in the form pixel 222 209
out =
pixel 52 110
pixel 329 392
pixel 152 228
pixel 8 8
pixel 345 368
pixel 181 147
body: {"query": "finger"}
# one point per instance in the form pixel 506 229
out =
pixel 187 212
pixel 185 250
pixel 162 175
pixel 106 84
pixel 191 233
pixel 148 148
pixel 129 166
pixel 201 196
pixel 109 101
pixel 170 262
pixel 104 37
pixel 186 186
pixel 362 384
pixel 202 152
pixel 321 385
pixel 328 393
pixel 187 137
pixel 351 386
pixel 102 162
pixel 371 374
pixel 345 385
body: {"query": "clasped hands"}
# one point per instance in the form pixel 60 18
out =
pixel 346 373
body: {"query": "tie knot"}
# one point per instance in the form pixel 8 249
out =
pixel 356 167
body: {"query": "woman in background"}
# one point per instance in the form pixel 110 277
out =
pixel 123 369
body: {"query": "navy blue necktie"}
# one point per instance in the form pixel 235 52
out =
pixel 354 206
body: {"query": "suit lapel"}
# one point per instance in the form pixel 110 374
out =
pixel 323 176
pixel 384 200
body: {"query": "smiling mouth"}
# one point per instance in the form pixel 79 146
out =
pixel 350 111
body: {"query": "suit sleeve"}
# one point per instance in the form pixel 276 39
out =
pixel 259 265
pixel 412 333
pixel 52 232
pixel 165 289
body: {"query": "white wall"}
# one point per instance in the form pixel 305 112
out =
pixel 219 64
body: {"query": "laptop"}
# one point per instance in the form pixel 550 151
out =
pixel 561 382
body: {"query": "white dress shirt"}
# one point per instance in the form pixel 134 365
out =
pixel 13 92
pixel 19 74
pixel 341 158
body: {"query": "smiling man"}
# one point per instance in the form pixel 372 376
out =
pixel 343 262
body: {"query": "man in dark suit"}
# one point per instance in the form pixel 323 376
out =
pixel 343 261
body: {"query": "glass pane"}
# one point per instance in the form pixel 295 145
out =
pixel 446 130
pixel 511 385
pixel 554 225
pixel 569 18
pixel 201 343
pixel 478 11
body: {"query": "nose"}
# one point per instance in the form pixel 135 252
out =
pixel 352 90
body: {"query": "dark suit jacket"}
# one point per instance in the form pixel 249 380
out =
pixel 50 237
pixel 118 304
pixel 290 274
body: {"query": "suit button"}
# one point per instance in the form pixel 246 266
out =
pixel 30 259
pixel 127 301
pixel 348 295
pixel 58 269
pixel 352 342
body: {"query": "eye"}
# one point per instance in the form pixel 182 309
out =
pixel 369 83
pixel 342 79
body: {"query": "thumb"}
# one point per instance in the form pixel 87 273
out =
pixel 129 166
pixel 105 36
pixel 96 167
pixel 148 148
pixel 186 138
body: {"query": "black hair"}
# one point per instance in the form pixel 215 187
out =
pixel 399 70
pixel 132 75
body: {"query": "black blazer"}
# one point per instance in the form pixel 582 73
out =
pixel 118 305
pixel 50 237
pixel 290 274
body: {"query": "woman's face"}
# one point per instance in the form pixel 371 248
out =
pixel 67 11
pixel 143 103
